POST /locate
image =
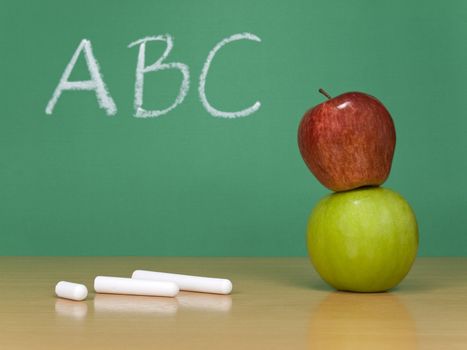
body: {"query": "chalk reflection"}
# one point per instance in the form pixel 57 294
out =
pixel 71 309
pixel 112 303
pixel 205 302
pixel 362 321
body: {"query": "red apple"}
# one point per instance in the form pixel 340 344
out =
pixel 348 141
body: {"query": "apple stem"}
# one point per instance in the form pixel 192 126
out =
pixel 325 93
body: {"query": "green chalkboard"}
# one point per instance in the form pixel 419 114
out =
pixel 80 176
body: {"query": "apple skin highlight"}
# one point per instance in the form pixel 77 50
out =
pixel 348 141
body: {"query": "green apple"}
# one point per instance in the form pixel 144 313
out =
pixel 363 240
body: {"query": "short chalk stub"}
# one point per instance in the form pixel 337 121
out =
pixel 120 285
pixel 70 290
pixel 187 282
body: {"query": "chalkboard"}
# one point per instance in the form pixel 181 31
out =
pixel 174 129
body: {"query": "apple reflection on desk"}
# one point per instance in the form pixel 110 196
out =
pixel 362 321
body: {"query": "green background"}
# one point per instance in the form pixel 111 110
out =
pixel 82 183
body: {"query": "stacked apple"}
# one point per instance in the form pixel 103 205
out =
pixel 363 237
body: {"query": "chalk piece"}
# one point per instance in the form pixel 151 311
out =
pixel 69 290
pixel 120 285
pixel 187 282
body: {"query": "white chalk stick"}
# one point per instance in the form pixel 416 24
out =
pixel 119 285
pixel 69 290
pixel 187 282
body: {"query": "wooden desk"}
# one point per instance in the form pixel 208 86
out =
pixel 277 303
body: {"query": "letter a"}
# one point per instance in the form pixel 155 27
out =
pixel 96 83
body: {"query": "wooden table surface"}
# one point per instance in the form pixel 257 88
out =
pixel 277 303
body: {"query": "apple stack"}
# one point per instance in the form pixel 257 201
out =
pixel 362 237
